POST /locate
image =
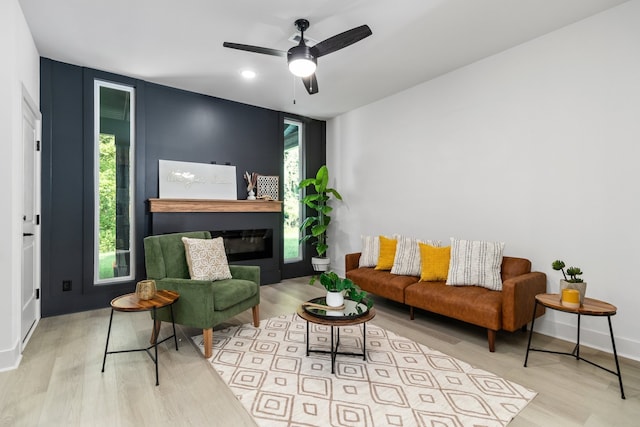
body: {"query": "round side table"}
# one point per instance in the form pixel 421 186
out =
pixel 131 303
pixel 590 307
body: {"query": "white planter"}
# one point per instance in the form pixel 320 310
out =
pixel 581 287
pixel 320 264
pixel 334 299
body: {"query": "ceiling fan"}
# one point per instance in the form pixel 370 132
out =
pixel 303 59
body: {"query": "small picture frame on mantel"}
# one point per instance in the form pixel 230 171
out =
pixel 268 187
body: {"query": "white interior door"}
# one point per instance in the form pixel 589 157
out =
pixel 30 217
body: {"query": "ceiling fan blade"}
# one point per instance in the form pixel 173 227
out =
pixel 255 49
pixel 341 40
pixel 311 84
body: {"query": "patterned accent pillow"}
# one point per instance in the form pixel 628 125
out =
pixel 370 251
pixel 434 262
pixel 475 262
pixel 387 253
pixel 407 259
pixel 206 258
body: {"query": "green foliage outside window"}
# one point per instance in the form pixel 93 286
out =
pixel 107 190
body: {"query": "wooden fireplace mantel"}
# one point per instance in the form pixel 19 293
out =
pixel 199 205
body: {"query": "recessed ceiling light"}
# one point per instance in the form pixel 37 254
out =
pixel 248 74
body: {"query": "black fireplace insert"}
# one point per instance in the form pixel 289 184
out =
pixel 241 245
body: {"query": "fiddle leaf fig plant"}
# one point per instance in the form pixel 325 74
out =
pixel 573 272
pixel 318 224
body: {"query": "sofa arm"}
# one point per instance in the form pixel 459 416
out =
pixel 194 307
pixel 518 298
pixel 351 261
pixel 245 272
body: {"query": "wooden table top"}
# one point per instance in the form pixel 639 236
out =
pixel 130 302
pixel 590 307
pixel 337 321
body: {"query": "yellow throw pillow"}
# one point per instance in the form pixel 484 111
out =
pixel 387 253
pixel 434 263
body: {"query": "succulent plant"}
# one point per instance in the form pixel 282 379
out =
pixel 573 272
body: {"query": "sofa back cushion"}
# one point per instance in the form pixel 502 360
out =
pixel 512 267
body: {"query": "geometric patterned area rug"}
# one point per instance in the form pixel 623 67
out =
pixel 402 383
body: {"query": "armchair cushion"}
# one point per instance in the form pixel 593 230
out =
pixel 227 293
pixel 206 259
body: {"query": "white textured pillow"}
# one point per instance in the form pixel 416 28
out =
pixel 475 262
pixel 407 259
pixel 370 251
pixel 206 258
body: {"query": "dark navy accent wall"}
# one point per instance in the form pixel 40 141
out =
pixel 171 124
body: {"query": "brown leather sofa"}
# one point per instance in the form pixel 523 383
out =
pixel 510 309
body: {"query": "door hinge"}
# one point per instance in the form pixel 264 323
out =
pixel 38 219
pixel 38 293
pixel 38 145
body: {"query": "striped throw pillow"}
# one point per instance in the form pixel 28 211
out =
pixel 370 251
pixel 407 259
pixel 475 262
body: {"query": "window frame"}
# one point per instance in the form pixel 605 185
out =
pixel 97 84
pixel 301 169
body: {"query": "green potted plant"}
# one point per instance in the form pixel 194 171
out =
pixel 573 282
pixel 315 227
pixel 338 288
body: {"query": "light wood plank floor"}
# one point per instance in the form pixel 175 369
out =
pixel 59 380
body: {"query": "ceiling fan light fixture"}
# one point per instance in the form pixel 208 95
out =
pixel 302 67
pixel 301 62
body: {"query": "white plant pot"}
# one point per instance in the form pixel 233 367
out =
pixel 320 264
pixel 581 287
pixel 334 299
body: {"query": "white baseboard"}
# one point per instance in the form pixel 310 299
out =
pixel 10 358
pixel 563 329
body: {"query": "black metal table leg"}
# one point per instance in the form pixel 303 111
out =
pixel 333 353
pixel 173 323
pixel 107 344
pixel 364 341
pixel 307 338
pixel 615 356
pixel 576 350
pixel 533 319
pixel 155 346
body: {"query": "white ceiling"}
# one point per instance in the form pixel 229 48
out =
pixel 179 43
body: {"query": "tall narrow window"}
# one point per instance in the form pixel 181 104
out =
pixel 113 171
pixel 292 177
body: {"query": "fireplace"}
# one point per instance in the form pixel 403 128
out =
pixel 249 244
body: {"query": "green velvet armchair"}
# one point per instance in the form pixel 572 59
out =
pixel 202 303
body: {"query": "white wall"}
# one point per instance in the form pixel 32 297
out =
pixel 537 146
pixel 20 66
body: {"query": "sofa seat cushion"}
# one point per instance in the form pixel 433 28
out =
pixel 229 292
pixel 473 304
pixel 381 283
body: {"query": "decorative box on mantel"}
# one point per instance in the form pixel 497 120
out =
pixel 205 205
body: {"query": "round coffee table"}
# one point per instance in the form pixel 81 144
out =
pixel 352 314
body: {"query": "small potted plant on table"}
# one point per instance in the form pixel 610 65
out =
pixel 338 288
pixel 573 282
